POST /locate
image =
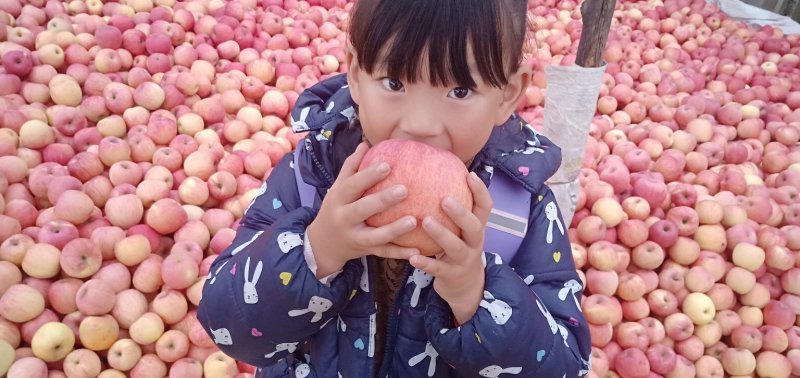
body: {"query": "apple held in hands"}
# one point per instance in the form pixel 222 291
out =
pixel 429 174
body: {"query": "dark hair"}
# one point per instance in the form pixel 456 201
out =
pixel 397 35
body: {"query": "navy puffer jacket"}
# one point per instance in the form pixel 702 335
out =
pixel 262 304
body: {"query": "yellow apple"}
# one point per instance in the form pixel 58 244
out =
pixel 219 365
pixel 6 357
pixel 53 341
pixel 699 307
pixel 98 332
pixel 147 329
pixel 748 256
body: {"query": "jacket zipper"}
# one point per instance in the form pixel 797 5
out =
pixel 317 163
pixel 391 331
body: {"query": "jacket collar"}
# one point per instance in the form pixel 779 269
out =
pixel 327 112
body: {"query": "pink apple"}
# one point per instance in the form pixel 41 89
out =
pixel 664 233
pixel 165 216
pixel 18 62
pixel 80 258
pixel 95 297
pixel 631 363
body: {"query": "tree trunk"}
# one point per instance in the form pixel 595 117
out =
pixel 596 16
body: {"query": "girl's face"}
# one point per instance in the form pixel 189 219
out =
pixel 454 118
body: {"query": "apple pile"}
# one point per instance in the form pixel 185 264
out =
pixel 133 135
pixel 687 229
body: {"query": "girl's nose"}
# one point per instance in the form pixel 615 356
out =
pixel 422 122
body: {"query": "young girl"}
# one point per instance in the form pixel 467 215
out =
pixel 307 289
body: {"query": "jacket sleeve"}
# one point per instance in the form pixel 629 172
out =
pixel 260 300
pixel 530 320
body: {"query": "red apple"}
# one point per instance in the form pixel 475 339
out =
pixel 405 160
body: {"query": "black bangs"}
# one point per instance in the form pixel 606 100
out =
pixel 400 36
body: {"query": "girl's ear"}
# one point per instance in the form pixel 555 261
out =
pixel 513 92
pixel 352 74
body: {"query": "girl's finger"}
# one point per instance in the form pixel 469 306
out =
pixel 351 186
pixel 392 251
pixel 453 245
pixel 471 227
pixel 482 200
pixel 375 203
pixel 429 265
pixel 368 236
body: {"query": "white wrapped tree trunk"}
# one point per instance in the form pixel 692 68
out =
pixel 570 104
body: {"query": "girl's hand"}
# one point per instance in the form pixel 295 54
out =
pixel 339 233
pixel 459 268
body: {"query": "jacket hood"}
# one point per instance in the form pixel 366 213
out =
pixel 327 111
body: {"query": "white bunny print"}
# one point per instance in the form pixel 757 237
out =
pixel 261 191
pixel 564 334
pixel 250 293
pixel 317 305
pixel 289 347
pixel 528 279
pixel 301 125
pixel 302 371
pixel 494 371
pixel 216 272
pixel 222 336
pixel 531 149
pixel 500 310
pixel 289 240
pixel 429 352
pixel 551 212
pixel 364 276
pixel 571 286
pixel 550 321
pixel 554 327
pixel 586 367
pixel 497 259
pixel 536 134
pixel 245 244
pixel 422 280
pixel 349 113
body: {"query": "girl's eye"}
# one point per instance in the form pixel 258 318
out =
pixel 460 93
pixel 392 85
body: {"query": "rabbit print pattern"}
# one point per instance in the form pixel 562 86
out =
pixel 289 347
pixel 250 293
pixel 494 371
pixel 429 352
pixel 421 280
pixel 288 241
pixel 317 305
pixel 570 287
pixel 554 327
pixel 302 371
pixel 551 211
pixel 222 336
pixel 500 310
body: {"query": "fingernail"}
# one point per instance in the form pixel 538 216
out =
pixel 410 222
pixel 399 191
pixel 450 203
pixel 429 223
pixel 474 177
pixel 383 168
